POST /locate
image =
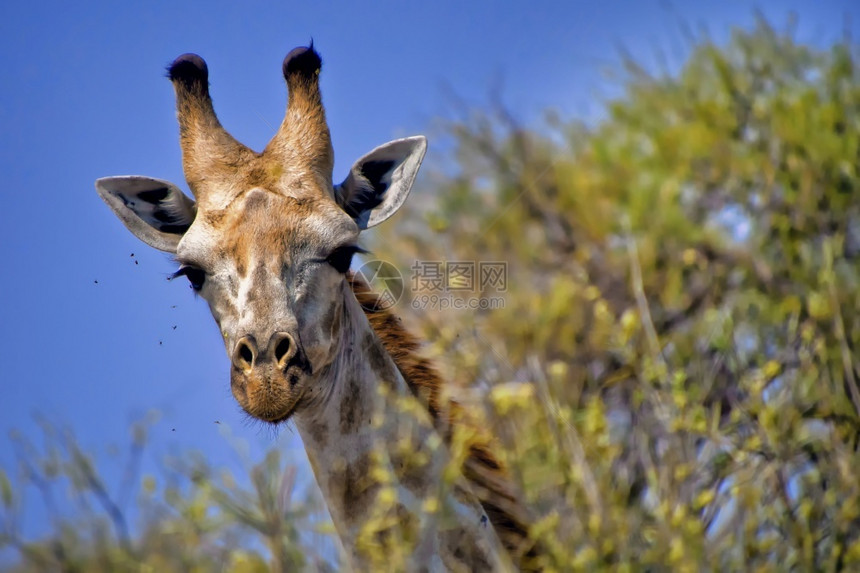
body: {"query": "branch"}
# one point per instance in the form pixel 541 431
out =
pixel 97 487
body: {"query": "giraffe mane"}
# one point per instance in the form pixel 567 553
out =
pixel 485 472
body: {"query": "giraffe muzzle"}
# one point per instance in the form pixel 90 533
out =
pixel 265 380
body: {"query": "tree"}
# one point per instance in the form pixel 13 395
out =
pixel 671 363
pixel 190 517
pixel 674 371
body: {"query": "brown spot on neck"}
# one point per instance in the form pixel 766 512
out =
pixel 372 349
pixel 350 407
pixel 354 489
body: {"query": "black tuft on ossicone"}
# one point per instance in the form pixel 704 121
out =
pixel 190 70
pixel 304 61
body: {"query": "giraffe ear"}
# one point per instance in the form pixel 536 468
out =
pixel 156 211
pixel 378 183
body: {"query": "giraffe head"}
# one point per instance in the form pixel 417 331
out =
pixel 268 238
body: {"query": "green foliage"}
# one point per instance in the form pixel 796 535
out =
pixel 191 517
pixel 674 374
pixel 675 370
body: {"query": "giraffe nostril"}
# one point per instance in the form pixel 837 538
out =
pixel 244 354
pixel 284 348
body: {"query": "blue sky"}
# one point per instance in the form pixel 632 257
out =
pixel 84 96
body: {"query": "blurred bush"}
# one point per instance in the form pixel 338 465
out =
pixel 189 517
pixel 673 373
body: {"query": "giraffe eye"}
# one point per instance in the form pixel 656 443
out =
pixel 194 275
pixel 341 258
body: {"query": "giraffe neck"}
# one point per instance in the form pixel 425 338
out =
pixel 381 465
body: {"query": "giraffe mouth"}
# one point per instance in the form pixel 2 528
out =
pixel 277 420
pixel 271 397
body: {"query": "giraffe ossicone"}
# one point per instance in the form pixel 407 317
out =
pixel 267 241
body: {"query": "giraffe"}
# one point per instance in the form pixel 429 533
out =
pixel 268 241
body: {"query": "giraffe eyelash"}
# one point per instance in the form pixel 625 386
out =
pixel 196 277
pixel 341 258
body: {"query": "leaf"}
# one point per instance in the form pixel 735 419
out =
pixel 5 489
